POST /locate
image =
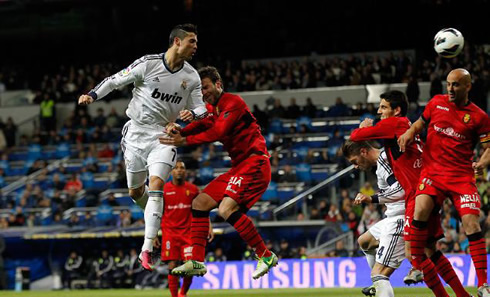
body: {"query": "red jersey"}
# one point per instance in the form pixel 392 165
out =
pixel 406 165
pixel 177 208
pixel 452 135
pixel 231 123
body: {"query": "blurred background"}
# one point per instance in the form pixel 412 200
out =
pixel 310 72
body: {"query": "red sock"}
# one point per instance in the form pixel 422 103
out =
pixel 173 285
pixel 432 279
pixel 244 226
pixel 479 256
pixel 418 241
pixel 186 285
pixel 446 271
pixel 199 233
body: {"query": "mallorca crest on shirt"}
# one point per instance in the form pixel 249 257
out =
pixel 421 186
pixel 183 85
pixel 217 110
pixel 187 192
pixel 466 118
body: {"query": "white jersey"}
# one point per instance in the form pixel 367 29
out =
pixel 390 192
pixel 159 94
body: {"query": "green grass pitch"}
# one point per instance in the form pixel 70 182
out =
pixel 338 292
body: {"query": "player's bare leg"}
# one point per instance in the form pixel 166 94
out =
pixel 139 196
pixel 368 245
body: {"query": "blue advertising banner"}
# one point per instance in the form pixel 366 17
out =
pixel 313 273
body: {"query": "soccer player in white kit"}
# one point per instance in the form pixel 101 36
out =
pixel 166 86
pixel 383 243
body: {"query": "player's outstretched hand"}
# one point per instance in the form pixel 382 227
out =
pixel 172 128
pixel 156 243
pixel 186 115
pixel 361 198
pixel 368 122
pixel 173 138
pixel 85 100
pixel 405 139
pixel 478 168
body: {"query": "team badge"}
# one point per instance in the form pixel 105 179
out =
pixel 421 187
pixel 217 111
pixel 125 71
pixel 183 85
pixel 187 192
pixel 466 118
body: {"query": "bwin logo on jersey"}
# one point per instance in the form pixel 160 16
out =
pixel 166 97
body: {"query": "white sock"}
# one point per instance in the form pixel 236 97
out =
pixel 383 286
pixel 370 257
pixel 153 217
pixel 141 202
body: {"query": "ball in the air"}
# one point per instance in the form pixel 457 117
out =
pixel 448 42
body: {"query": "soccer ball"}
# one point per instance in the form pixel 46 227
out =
pixel 448 42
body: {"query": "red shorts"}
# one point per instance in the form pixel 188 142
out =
pixel 464 194
pixel 244 183
pixel 173 246
pixel 434 224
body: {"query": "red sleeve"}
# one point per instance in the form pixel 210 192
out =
pixel 428 110
pixel 484 129
pixel 222 126
pixel 382 130
pixel 197 127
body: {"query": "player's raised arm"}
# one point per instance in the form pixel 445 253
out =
pixel 128 75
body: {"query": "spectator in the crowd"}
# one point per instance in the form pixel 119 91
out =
pixel 284 250
pixel 48 113
pixel 216 256
pixel 135 271
pixel 340 250
pixel 120 268
pixel 367 189
pixel 74 183
pixel 340 109
pixel 100 118
pixel 277 111
pixel 310 110
pixel 289 176
pixel 101 271
pixel 10 132
pixel 293 110
pixel 73 269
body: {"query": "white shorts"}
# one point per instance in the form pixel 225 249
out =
pixel 142 152
pixel 389 233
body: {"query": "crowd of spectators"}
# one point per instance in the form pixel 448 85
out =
pixel 67 82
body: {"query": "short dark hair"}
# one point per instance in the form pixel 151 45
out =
pixel 210 72
pixel 396 99
pixel 181 32
pixel 353 148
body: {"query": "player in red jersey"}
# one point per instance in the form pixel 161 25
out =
pixel 407 166
pixel 176 226
pixel 455 125
pixel 237 190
